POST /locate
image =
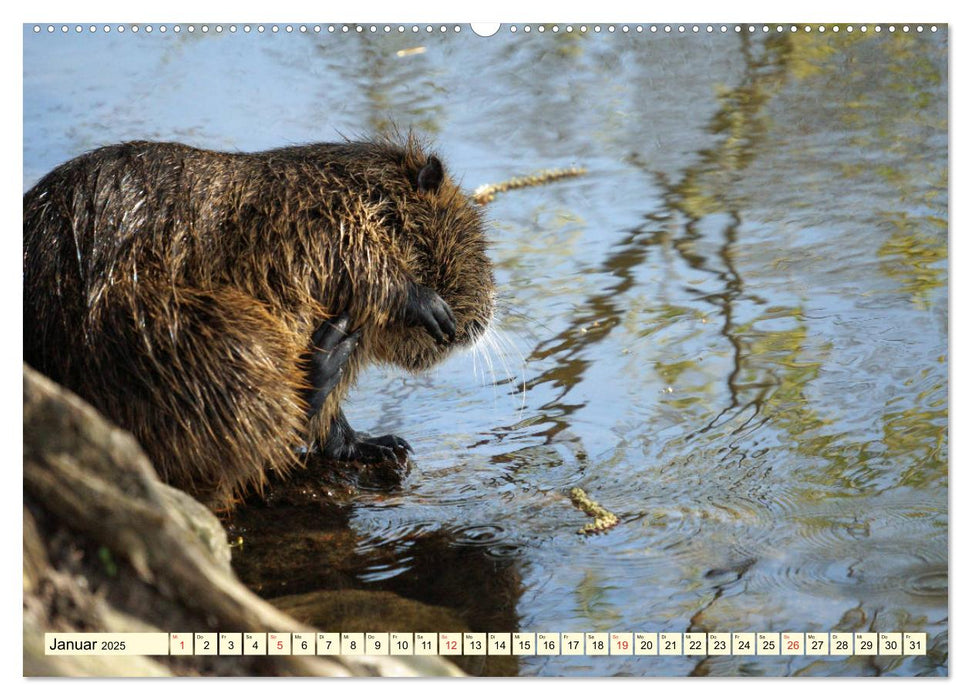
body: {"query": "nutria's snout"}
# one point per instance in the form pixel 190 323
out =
pixel 413 348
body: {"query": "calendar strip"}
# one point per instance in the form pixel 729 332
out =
pixel 487 644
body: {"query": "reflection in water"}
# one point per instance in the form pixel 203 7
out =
pixel 735 325
pixel 305 556
pixel 386 75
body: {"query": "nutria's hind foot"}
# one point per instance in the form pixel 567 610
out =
pixel 373 450
pixel 344 444
pixel 385 442
pixel 331 347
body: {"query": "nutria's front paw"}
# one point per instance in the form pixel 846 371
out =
pixel 331 347
pixel 425 308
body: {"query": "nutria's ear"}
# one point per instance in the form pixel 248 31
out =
pixel 430 176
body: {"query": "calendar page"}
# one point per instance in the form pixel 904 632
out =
pixel 519 349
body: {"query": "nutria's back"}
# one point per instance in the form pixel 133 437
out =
pixel 178 288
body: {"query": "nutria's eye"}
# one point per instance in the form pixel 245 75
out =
pixel 430 176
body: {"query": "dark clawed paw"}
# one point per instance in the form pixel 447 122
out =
pixel 369 453
pixel 377 460
pixel 372 450
pixel 366 449
pixel 332 344
pixel 426 308
pixel 393 441
pixel 331 348
pixel 330 333
pixel 384 448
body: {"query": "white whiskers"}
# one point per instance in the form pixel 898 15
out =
pixel 494 343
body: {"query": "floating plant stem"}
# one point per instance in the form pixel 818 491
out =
pixel 603 518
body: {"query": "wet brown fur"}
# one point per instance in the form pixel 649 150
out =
pixel 177 289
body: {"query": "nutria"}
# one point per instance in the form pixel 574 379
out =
pixel 220 305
